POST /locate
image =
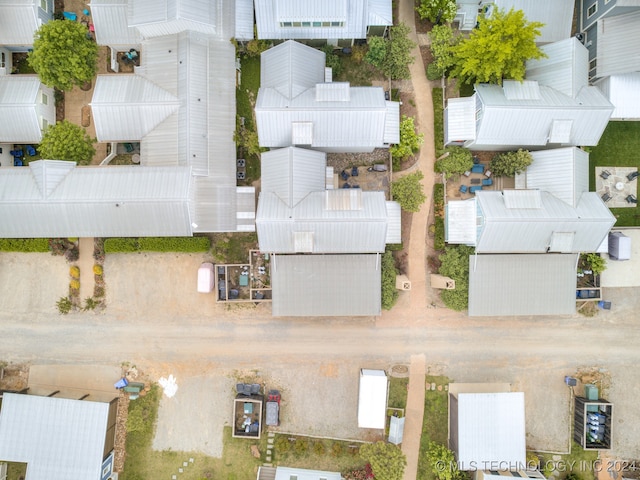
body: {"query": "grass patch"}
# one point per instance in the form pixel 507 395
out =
pixel 123 159
pixel 233 247
pixel 576 463
pixel 16 470
pixel 317 453
pixel 358 74
pixel 618 147
pixel 438 120
pixel 246 95
pixel 434 424
pixel 398 392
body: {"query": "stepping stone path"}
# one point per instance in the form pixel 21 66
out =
pixel 270 439
pixel 181 469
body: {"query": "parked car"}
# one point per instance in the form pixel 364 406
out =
pixel 205 277
pixel 273 408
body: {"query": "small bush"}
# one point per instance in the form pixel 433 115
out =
pixel 64 305
pixel 438 199
pixel 90 303
pixel 74 272
pixel 300 447
pixel 24 245
pixel 318 448
pixel 256 47
pixel 174 244
pixel 282 444
pixel 408 191
pixel 438 242
pixel 72 254
pixel 358 53
pixel 74 285
pixel 389 292
pixel 98 292
pixel 97 270
pixel 121 245
pixel 337 449
pixel 597 263
pixel 433 72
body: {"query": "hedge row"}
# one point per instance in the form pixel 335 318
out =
pixel 24 244
pixel 157 244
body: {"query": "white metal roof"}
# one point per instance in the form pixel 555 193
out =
pixel 460 221
pixel 244 20
pixel 556 16
pixel 392 123
pixel 292 173
pixel 624 92
pixel 372 399
pixel 522 284
pixel 51 199
pixel 19 105
pixel 285 473
pixel 165 17
pixel 394 223
pixel 460 119
pixel 326 285
pixel 523 229
pixel 18 22
pixel 128 107
pixel 618 38
pixel 491 428
pixel 335 231
pixel 563 172
pixel 58 439
pixel 380 13
pixel 111 22
pixel 566 67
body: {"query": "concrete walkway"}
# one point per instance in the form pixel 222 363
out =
pixel 414 415
pixel 85 263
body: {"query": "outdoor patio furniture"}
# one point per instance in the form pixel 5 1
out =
pixel 354 172
pixel 605 174
pixel 474 189
pixel 16 153
pixel 632 176
pixel 488 173
pixel 476 160
pixel 604 305
pixel 463 189
pixel 467 173
pixel 487 182
pixel 346 185
pixel 479 168
pixel 17 162
pixel 631 199
pixel 476 181
pixel 31 151
pixel 344 175
pixel 606 197
pixel 129 147
pixel 70 16
pixel 355 186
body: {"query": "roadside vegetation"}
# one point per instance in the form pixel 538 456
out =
pixel 455 264
pixel 246 135
pixel 434 424
pixel 389 272
pixel 157 244
pixel 409 192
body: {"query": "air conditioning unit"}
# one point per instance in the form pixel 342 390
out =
pixel 403 283
pixel 581 37
pixel 114 476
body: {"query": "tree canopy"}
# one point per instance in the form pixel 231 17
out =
pixel 497 49
pixel 62 54
pixel 442 39
pixel 67 141
pixel 437 11
pixel 388 286
pixel 393 55
pixel 410 141
pixel 508 164
pixel 387 460
pixel 458 161
pixel 442 462
pixel 455 264
pixel 408 191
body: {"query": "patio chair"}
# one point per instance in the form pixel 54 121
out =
pixel 605 174
pixel 70 16
pixel 354 172
pixel 479 168
pixel 606 197
pixel 344 175
pixel 632 176
pixel 346 185
pixel 17 162
pixel 31 151
pixel 463 189
pixel 476 160
pixel 17 153
pixel 631 199
pixel 487 182
pixel 475 189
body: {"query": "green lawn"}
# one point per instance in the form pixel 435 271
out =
pixel 618 147
pixel 579 462
pixel 398 392
pixel 434 425
pixel 317 453
pixel 246 95
pixel 438 120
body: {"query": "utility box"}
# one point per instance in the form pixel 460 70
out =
pixel 619 246
pixel 592 423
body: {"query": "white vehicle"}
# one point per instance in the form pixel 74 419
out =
pixel 205 278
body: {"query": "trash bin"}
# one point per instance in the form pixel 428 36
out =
pixel 123 382
pixel 591 392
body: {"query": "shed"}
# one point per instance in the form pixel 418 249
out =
pixel 592 422
pixel 372 400
pixel 619 246
pixel 247 416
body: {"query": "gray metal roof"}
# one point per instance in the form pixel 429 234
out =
pixel 244 20
pixel 111 22
pixel 460 221
pixel 285 473
pixel 394 223
pixel 501 285
pixel 565 69
pixel 58 439
pixel 51 198
pixel 624 92
pixel 618 40
pixel 154 18
pixel 460 119
pixel 491 428
pixel 380 13
pixel 345 230
pixel 517 227
pixel 21 108
pixel 292 173
pixel 326 285
pixel 563 172
pixel 19 21
pixel 556 16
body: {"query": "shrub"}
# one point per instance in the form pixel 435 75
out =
pixel 433 72
pixel 377 52
pixel 442 40
pixel 24 245
pixel 437 11
pixel 389 293
pixel 337 449
pixel 256 47
pixel 300 446
pixel 458 161
pixel 438 120
pixel 508 164
pixel 438 199
pixel 408 191
pixel 74 285
pixel 410 141
pixel 439 455
pixel 597 263
pixel 455 264
pixel 332 60
pixel 97 270
pixel 174 244
pixel 121 245
pixel 358 52
pixel 438 241
pixel 72 254
pixel 282 444
pixel 387 460
pixel 318 448
pixel 90 303
pixel 64 305
pixel 74 272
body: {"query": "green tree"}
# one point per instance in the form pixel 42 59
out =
pixel 62 54
pixel 597 263
pixel 332 60
pixel 67 141
pixel 442 462
pixel 398 58
pixel 455 264
pixel 387 460
pixel 437 11
pixel 442 40
pixel 389 272
pixel 408 191
pixel 497 49
pixel 458 161
pixel 508 164
pixel 410 141
pixel 377 52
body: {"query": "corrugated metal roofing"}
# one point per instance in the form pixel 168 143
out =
pixel 302 133
pixel 624 92
pixel 291 68
pixel 522 285
pixel 285 473
pixel 525 90
pixel 560 131
pixel 335 231
pixel 166 17
pixel 333 92
pixel 111 21
pixel 460 221
pixel 380 13
pixel 128 107
pixel 372 399
pixel 343 199
pixel 522 199
pixel 392 124
pixel 93 201
pixel 618 40
pixel 18 22
pixel 244 20
pixel 460 119
pixel 292 173
pixel 245 209
pixel 59 439
pixel 19 104
pixel 394 223
pixel 556 16
pixel 326 285
pixel 491 428
pixel 565 69
pixel 529 230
